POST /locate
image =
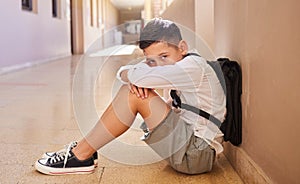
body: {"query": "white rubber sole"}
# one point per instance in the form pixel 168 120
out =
pixel 63 171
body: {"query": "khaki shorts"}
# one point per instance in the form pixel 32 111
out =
pixel 175 142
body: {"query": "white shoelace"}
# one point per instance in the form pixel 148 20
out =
pixel 73 144
pixel 63 155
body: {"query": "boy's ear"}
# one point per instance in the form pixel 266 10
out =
pixel 183 47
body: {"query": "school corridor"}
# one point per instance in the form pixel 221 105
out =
pixel 58 62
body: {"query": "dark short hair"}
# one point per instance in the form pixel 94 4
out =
pixel 159 30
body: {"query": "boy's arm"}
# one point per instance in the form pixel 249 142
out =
pixel 122 75
pixel 184 74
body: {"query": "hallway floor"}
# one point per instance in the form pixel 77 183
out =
pixel 42 109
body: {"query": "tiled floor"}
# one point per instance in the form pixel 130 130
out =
pixel 40 110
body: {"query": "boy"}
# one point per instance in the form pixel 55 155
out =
pixel 186 140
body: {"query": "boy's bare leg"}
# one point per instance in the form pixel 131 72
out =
pixel 119 116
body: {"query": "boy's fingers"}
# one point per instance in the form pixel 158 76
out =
pixel 130 86
pixel 141 92
pixel 135 91
pixel 146 92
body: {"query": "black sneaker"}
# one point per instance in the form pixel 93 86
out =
pixel 73 144
pixel 65 163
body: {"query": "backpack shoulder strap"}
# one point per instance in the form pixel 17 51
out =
pixel 217 67
pixel 202 113
pixel 177 103
pixel 191 54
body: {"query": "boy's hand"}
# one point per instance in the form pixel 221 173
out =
pixel 138 91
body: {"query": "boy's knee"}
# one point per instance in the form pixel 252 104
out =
pixel 125 89
pixel 125 94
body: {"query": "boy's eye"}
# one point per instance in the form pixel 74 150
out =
pixel 163 57
pixel 151 62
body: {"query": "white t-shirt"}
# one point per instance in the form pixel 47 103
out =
pixel 197 85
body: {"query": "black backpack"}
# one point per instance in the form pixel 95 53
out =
pixel 232 78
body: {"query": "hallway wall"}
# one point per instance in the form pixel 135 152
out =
pixel 109 16
pixel 204 21
pixel 29 37
pixel 186 17
pixel 263 36
pixel 195 21
pixel 111 20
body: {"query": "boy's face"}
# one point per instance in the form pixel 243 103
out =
pixel 162 53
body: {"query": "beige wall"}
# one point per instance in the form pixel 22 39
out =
pixel 126 15
pixel 182 12
pixel 204 21
pixel 91 32
pixel 204 28
pixel 28 38
pixel 196 20
pixel 111 20
pixel 264 37
pixel 109 15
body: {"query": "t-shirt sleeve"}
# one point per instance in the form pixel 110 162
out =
pixel 185 74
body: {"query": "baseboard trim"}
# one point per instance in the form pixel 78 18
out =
pixel 8 69
pixel 246 168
